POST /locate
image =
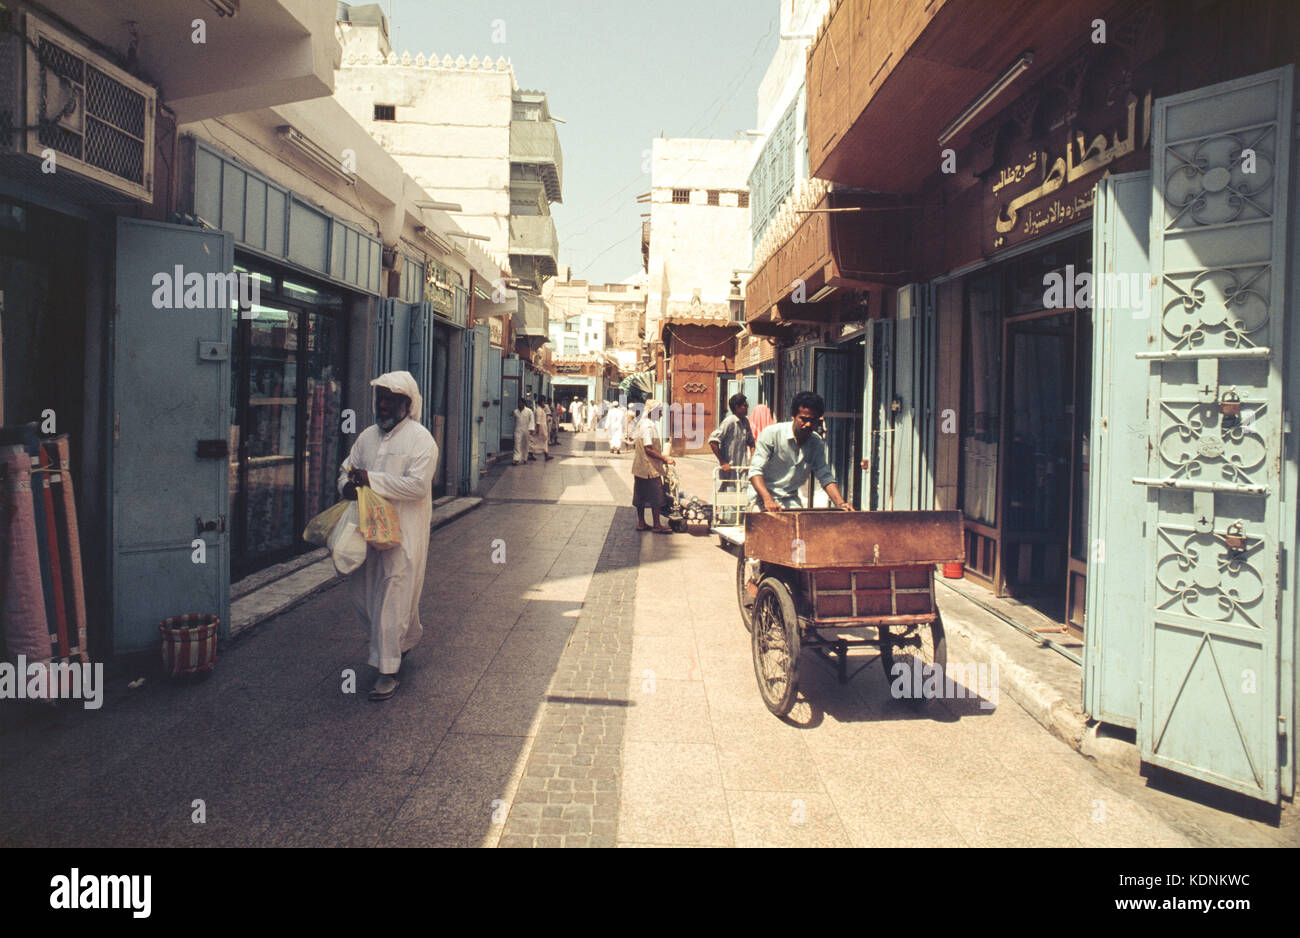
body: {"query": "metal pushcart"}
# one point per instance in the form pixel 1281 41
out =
pixel 831 581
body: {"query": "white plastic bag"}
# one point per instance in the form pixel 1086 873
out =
pixel 345 542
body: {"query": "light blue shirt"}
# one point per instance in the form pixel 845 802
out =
pixel 785 465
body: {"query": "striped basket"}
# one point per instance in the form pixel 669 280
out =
pixel 189 644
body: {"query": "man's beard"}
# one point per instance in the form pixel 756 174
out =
pixel 387 423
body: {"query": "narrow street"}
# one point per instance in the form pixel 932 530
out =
pixel 594 689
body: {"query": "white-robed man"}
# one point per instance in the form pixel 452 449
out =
pixel 523 429
pixel 616 426
pixel 397 457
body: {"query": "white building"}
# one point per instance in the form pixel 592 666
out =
pixel 699 227
pixel 466 132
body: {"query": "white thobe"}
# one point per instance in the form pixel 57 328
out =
pixel 575 416
pixel 616 424
pixel 386 590
pixel 523 427
pixel 540 440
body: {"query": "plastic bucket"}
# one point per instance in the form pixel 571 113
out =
pixel 953 571
pixel 189 644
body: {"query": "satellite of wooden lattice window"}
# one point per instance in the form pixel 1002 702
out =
pixel 385 112
pixel 681 196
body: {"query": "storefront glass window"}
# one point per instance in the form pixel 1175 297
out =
pixel 981 396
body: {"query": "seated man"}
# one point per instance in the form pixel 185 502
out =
pixel 787 453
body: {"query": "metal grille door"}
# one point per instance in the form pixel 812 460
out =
pixel 1209 704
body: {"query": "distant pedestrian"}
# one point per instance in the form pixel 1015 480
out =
pixel 539 441
pixel 552 421
pixel 523 429
pixel 647 471
pixel 760 420
pixel 575 415
pixel 616 427
pixel 560 413
pixel 732 441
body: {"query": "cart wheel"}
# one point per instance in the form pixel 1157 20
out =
pixel 775 627
pixel 743 598
pixel 920 649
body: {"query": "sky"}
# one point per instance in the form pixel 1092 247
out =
pixel 619 73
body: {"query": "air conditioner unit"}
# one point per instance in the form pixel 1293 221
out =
pixel 72 122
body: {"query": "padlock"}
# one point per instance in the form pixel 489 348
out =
pixel 1235 539
pixel 1230 404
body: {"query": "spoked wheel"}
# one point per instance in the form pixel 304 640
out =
pixel 743 599
pixel 775 628
pixel 910 653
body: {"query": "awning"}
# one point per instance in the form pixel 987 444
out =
pixel 643 381
pixel 530 319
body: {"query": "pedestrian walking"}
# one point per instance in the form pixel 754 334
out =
pixel 552 421
pixel 575 415
pixel 616 427
pixel 397 458
pixel 539 440
pixel 523 429
pixel 647 471
pixel 732 441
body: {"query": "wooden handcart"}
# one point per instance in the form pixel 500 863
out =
pixel 833 580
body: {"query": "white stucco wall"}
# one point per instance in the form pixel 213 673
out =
pixel 695 246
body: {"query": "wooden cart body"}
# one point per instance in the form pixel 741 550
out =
pixel 849 571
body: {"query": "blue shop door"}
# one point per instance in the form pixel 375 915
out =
pixel 469 412
pixel 483 350
pixel 879 413
pixel 509 401
pixel 1117 446
pixel 170 463
pixel 392 336
pixel 492 414
pixel 420 356
pixel 1210 705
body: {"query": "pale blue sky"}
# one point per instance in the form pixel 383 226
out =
pixel 619 73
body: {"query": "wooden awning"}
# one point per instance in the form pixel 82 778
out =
pixel 850 240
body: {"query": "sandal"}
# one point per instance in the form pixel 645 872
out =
pixel 385 687
pixel 662 530
pixel 643 527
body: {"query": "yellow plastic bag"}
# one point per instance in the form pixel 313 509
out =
pixel 319 528
pixel 378 520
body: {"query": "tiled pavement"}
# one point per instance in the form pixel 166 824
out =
pixel 596 688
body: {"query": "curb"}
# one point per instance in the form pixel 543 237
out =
pixel 1063 720
pixel 443 515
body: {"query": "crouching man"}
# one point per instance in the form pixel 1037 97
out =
pixel 397 457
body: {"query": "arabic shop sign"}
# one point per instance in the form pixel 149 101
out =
pixel 1051 187
pixel 494 331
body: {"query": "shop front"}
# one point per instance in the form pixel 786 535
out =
pixel 288 378
pixel 295 375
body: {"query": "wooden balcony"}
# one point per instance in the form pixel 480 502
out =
pixel 850 240
pixel 886 77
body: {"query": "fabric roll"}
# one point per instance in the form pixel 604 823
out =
pixel 59 452
pixel 22 597
pixel 44 478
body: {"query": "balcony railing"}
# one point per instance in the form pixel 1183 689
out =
pixel 536 143
pixel 534 236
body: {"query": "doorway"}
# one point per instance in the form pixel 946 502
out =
pixel 1038 425
pixel 288 368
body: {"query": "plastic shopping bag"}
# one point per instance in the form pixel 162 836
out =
pixel 378 520
pixel 318 529
pixel 345 542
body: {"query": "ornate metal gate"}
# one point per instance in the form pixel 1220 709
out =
pixel 1209 704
